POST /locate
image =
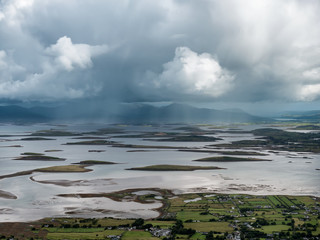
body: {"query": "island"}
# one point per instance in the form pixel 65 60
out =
pixel 94 162
pixel 29 156
pixel 166 167
pixel 230 159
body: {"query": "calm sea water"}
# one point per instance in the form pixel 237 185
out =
pixel 288 173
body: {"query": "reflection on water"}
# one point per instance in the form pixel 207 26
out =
pixel 288 173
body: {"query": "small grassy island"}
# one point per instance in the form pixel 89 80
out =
pixel 230 159
pixel 54 133
pixel 94 162
pixel 65 168
pixel 174 168
pixel 199 215
pixel 36 139
pixel 189 138
pixel 92 142
pixel 120 145
pixel 29 156
pixel 53 150
pixel 244 153
pixel 105 131
pixel 32 154
pixel 53 169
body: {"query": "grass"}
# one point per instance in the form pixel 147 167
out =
pixel 94 162
pixel 32 154
pixel 210 226
pixel 243 153
pixel 182 237
pixel 35 139
pixel 65 168
pixel 230 159
pixel 114 232
pixel 198 236
pixel 274 201
pixel 146 146
pixel 52 132
pixel 286 201
pixel 92 142
pixel 161 224
pixel 114 222
pixel 318 229
pixel 191 138
pixel 305 200
pixel 194 215
pixel 38 157
pixel 208 214
pixel 104 131
pixel 53 150
pixel 173 168
pixel 274 228
pixel 221 212
pixel 75 230
pixel 138 235
pixel 71 236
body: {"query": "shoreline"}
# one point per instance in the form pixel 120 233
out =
pixel 134 197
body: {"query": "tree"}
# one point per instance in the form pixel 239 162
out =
pixel 209 236
pixel 138 223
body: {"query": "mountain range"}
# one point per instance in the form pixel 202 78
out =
pixel 126 113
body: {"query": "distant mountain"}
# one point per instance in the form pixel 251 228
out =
pixel 19 114
pixel 313 116
pixel 185 113
pixel 128 113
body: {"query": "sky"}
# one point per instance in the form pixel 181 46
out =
pixel 259 54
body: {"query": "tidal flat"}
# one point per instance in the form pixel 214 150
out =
pixel 32 188
pixel 180 216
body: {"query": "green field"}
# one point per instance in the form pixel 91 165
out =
pixel 210 226
pixel 138 235
pixel 77 235
pixel 189 216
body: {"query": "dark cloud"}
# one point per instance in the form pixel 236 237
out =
pixel 54 50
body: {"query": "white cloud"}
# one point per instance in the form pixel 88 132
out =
pixel 309 92
pixel 8 68
pixel 2 16
pixel 62 75
pixel 192 74
pixel 312 74
pixel 241 50
pixel 70 55
pixel 13 11
pixel 3 56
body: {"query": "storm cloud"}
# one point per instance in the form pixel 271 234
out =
pixel 171 50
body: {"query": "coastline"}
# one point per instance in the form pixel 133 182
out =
pixel 134 195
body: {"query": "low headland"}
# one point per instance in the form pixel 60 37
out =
pixel 165 167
